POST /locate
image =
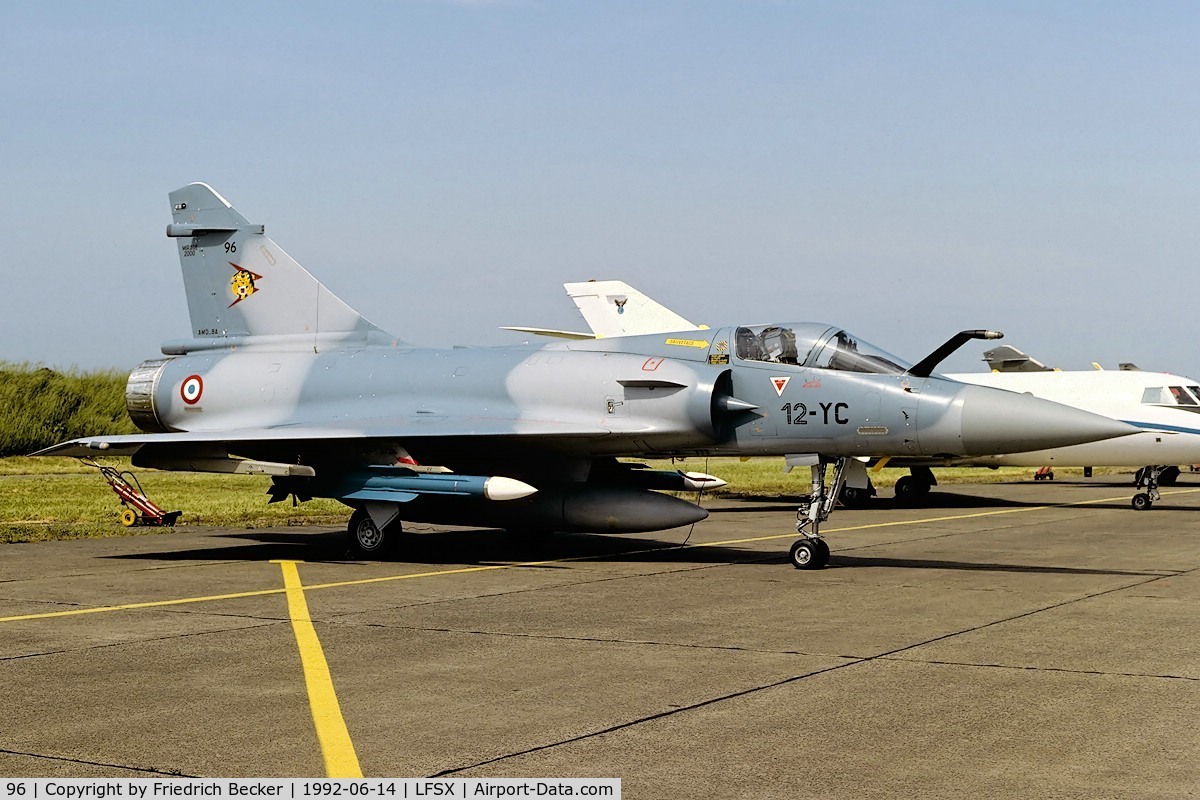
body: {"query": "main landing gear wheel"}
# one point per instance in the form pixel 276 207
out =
pixel 809 554
pixel 367 540
pixel 909 488
pixel 1142 502
pixel 906 489
pixel 915 485
pixel 854 497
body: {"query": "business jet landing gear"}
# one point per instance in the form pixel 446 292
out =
pixel 1148 479
pixel 916 485
pixel 856 497
pixel 810 551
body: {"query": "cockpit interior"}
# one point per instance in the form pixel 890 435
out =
pixel 806 344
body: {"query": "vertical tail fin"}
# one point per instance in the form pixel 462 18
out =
pixel 240 283
pixel 614 308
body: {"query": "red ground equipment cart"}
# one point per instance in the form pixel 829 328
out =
pixel 139 509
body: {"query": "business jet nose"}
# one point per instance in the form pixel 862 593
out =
pixel 998 421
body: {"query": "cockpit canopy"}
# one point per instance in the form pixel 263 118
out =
pixel 1171 396
pixel 813 344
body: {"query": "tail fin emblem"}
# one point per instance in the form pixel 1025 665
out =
pixel 242 283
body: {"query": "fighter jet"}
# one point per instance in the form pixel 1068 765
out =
pixel 1163 406
pixel 280 377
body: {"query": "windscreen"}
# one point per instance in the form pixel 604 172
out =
pixel 846 352
pixel 813 344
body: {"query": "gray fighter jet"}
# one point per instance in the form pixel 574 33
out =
pixel 280 377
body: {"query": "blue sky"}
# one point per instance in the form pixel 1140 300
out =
pixel 904 170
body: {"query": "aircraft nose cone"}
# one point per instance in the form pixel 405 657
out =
pixel 998 421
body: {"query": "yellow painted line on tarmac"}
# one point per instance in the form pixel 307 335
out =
pixel 340 758
pixel 924 520
pixel 74 612
pixel 485 568
pixel 492 567
pixel 893 524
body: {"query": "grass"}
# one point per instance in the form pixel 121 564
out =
pixel 61 498
pixel 40 407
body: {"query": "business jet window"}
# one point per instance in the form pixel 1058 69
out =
pixel 1181 396
pixel 1195 390
pixel 1166 396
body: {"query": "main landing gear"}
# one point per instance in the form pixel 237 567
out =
pixel 915 485
pixel 1148 478
pixel 810 551
pixel 854 497
pixel 367 539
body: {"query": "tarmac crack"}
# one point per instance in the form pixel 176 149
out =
pixel 130 571
pixel 600 640
pixel 1041 610
pixel 1031 668
pixel 645 719
pixel 266 623
pixel 712 701
pixel 151 770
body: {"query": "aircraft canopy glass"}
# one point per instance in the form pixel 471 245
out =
pixel 1170 395
pixel 811 344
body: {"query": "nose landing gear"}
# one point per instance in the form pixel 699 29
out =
pixel 810 551
pixel 1148 479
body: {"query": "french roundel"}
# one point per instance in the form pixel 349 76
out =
pixel 191 389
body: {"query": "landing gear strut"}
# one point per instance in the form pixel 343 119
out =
pixel 810 551
pixel 1148 479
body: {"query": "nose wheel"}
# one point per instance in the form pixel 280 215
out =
pixel 1147 478
pixel 809 554
pixel 810 551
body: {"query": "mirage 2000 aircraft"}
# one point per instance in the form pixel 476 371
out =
pixel 1162 406
pixel 280 377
